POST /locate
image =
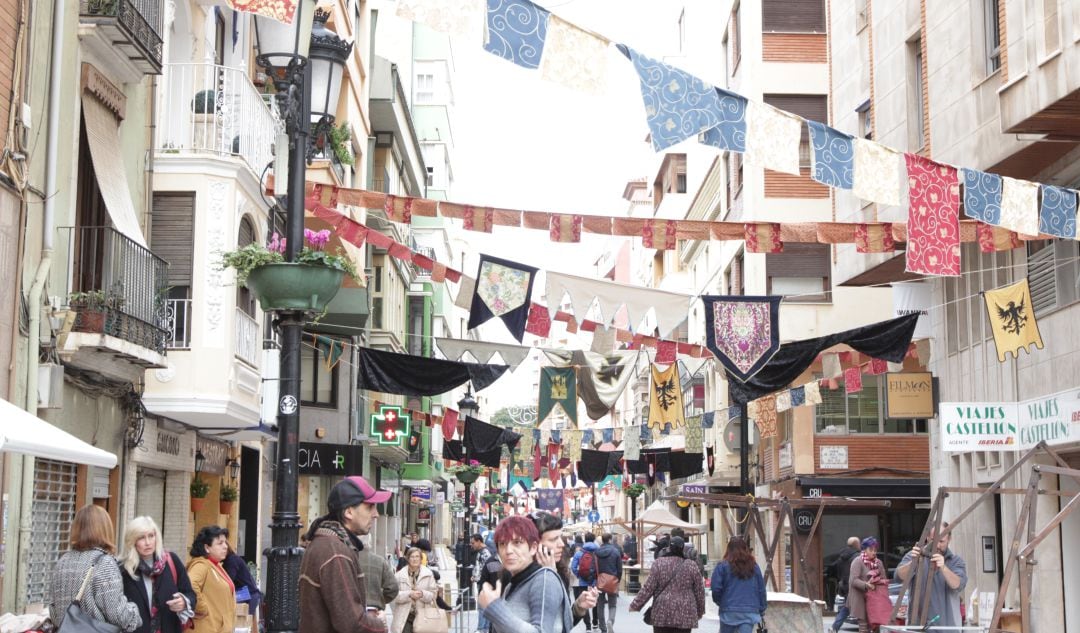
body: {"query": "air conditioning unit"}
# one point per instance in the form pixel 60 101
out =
pixel 50 386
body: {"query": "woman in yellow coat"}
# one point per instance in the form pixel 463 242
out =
pixel 215 595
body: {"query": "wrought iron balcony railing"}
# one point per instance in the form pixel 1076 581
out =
pixel 135 27
pixel 210 109
pixel 246 340
pixel 177 322
pixel 119 287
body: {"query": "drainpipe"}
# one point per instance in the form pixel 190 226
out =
pixel 37 288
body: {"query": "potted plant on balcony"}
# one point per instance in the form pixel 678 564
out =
pixel 307 284
pixel 205 102
pixel 635 490
pixel 199 490
pixel 101 7
pixel 467 473
pixel 91 309
pixel 492 498
pixel 226 497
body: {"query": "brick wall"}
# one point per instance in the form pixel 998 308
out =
pixel 794 47
pixel 908 452
pixel 781 185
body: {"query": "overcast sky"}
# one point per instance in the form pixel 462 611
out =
pixel 526 143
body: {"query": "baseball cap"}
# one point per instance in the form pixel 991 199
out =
pixel 352 491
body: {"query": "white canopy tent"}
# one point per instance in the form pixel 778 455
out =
pixel 657 515
pixel 23 432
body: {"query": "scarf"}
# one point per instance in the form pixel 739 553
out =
pixel 870 563
pixel 216 564
pixel 153 572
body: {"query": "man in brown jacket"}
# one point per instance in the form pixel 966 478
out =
pixel 332 580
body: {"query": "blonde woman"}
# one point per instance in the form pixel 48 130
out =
pixel 155 580
pixel 416 588
pixel 91 548
pixel 215 595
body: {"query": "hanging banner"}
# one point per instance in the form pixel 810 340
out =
pixel 742 332
pixel 914 297
pixel 665 398
pixel 1012 318
pixel 557 386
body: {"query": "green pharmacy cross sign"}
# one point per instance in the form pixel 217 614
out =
pixel 391 425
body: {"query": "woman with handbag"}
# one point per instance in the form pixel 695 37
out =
pixel 677 592
pixel 414 608
pixel 86 589
pixel 738 588
pixel 215 594
pixel 868 587
pixel 155 580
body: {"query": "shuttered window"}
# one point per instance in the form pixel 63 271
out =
pixel 171 237
pixel 810 107
pixel 735 278
pixel 793 16
pixel 802 272
pixel 245 300
pixel 51 513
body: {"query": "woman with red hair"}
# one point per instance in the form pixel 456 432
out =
pixel 532 599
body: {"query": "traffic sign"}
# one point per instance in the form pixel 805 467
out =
pixel 594 516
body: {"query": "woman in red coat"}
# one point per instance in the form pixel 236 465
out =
pixel 868 588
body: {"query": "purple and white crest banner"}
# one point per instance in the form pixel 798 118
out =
pixel 742 332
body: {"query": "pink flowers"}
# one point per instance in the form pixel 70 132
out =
pixel 277 244
pixel 317 239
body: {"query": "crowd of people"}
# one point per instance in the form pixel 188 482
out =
pixel 143 588
pixel 529 578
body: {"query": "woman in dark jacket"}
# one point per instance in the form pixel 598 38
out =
pixel 738 588
pixel 148 570
pixel 676 589
pixel 238 570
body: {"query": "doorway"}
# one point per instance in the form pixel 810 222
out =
pixel 247 543
pixel 150 495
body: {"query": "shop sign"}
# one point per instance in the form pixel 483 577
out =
pixel 909 395
pixel 785 455
pixel 804 520
pixel 423 514
pixel 833 457
pixel 421 494
pixel 694 489
pixel 391 425
pixel 216 454
pixel 341 460
pixel 1011 426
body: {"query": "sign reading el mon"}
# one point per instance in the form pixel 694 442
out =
pixel 1010 426
pixel 909 395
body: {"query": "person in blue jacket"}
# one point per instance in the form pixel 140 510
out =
pixel 592 616
pixel 738 588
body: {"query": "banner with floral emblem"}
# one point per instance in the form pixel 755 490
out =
pixel 502 290
pixel 742 332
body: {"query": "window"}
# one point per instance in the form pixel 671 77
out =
pixel 318 385
pixel 918 108
pixel 376 298
pixel 1052 273
pixel 735 275
pixel 866 120
pixel 965 320
pixel 670 179
pixel 802 272
pixel 1050 42
pixel 736 41
pixel 992 36
pixel 430 180
pixel 245 299
pixel 416 326
pixel 810 107
pixel 173 241
pixel 841 413
pixel 793 16
pixel 425 88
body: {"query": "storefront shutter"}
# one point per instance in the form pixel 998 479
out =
pixel 52 511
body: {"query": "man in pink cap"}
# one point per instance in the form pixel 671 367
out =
pixel 331 579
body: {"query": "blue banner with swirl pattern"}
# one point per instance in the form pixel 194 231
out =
pixel 1057 215
pixel 516 30
pixel 678 105
pixel 982 196
pixel 834 156
pixel 731 133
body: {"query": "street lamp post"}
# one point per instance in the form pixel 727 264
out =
pixel 467 406
pixel 306 65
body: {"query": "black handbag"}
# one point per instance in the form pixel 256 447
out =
pixel 76 620
pixel 647 616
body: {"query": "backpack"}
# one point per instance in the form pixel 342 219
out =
pixel 587 567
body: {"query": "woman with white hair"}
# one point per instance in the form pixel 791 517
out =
pixel 155 580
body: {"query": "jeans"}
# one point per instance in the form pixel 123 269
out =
pixel 606 622
pixel 841 616
pixel 481 621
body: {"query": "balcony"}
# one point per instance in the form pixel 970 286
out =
pixel 116 323
pixel 214 110
pixel 246 338
pixel 177 322
pixel 125 35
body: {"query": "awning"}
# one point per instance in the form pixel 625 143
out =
pixel 866 487
pixel 103 133
pixel 22 432
pixel 658 514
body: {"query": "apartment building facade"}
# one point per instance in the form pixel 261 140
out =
pixel 987 85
